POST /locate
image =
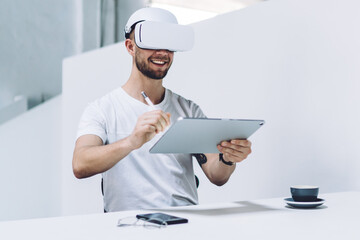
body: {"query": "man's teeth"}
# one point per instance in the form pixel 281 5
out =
pixel 158 62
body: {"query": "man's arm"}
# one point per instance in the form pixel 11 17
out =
pixel 92 157
pixel 218 170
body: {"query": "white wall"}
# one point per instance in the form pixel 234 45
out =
pixel 13 109
pixel 296 65
pixel 110 67
pixel 30 159
pixel 293 63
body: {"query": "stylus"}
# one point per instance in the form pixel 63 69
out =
pixel 147 99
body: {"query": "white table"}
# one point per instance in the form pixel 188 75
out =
pixel 338 218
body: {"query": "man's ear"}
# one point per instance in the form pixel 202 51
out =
pixel 130 46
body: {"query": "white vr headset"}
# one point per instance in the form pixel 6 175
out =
pixel 160 35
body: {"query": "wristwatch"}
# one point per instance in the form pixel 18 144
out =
pixel 221 158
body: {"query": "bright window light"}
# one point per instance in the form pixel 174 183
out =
pixel 185 15
pixel 190 11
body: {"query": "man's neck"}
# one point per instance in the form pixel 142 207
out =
pixel 137 83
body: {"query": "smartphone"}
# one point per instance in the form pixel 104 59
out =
pixel 160 218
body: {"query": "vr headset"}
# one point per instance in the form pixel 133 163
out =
pixel 161 35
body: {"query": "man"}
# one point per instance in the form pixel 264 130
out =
pixel 117 131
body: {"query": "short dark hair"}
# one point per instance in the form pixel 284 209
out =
pixel 127 35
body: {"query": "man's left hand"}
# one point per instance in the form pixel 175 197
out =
pixel 235 150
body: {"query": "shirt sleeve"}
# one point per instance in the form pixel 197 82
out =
pixel 92 122
pixel 197 112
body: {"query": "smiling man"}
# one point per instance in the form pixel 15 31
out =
pixel 160 59
pixel 116 131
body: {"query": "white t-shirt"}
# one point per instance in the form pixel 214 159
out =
pixel 141 180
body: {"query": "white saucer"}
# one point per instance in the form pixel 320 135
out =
pixel 291 202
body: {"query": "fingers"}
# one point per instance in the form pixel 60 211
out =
pixel 157 119
pixel 235 146
pixel 235 150
pixel 148 125
pixel 241 142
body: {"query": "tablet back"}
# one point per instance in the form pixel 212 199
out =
pixel 202 135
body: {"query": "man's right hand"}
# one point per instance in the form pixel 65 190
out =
pixel 147 126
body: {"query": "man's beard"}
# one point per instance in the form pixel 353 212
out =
pixel 144 68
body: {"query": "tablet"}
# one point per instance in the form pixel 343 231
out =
pixel 202 135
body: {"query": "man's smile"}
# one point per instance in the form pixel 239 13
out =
pixel 158 62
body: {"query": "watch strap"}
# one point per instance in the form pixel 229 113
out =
pixel 221 158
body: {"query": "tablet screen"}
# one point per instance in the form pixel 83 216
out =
pixel 202 135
